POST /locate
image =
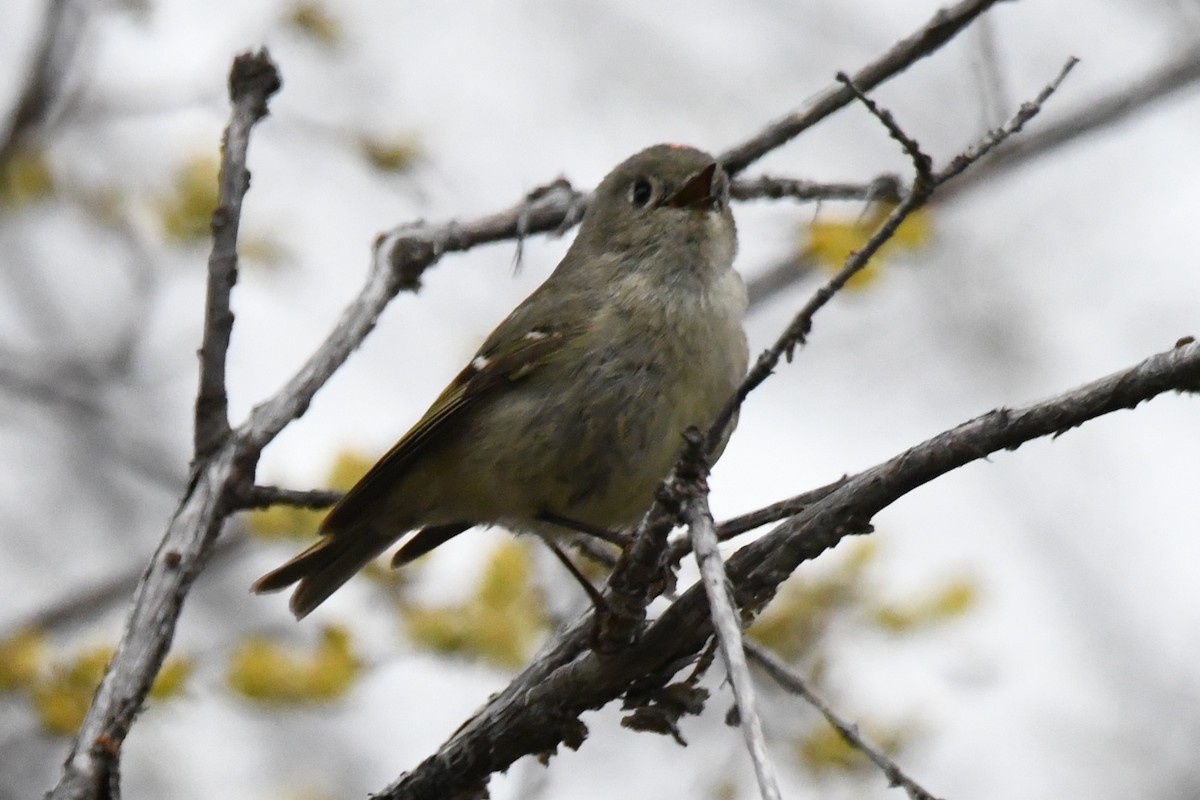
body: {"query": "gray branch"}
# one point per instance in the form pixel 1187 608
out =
pixel 92 766
pixel 539 710
pixel 789 680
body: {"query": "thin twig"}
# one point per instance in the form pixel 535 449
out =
pixel 732 528
pixel 995 138
pixel 1096 115
pixel 922 189
pixel 885 188
pixel 266 496
pixel 944 25
pixel 922 163
pixel 727 625
pixel 789 680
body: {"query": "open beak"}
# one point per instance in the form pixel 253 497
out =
pixel 697 192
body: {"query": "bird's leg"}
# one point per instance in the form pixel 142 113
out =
pixel 619 539
pixel 592 592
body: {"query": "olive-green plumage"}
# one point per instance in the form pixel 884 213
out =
pixel 574 406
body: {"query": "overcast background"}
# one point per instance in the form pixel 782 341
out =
pixel 1073 676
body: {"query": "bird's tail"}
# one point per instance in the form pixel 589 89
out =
pixel 323 568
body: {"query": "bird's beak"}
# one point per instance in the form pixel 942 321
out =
pixel 697 192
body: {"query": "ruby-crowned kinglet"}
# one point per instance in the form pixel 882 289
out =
pixel 574 407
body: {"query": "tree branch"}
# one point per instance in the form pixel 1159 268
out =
pixel 57 45
pixel 93 764
pixel 539 709
pixel 789 680
pixel 727 624
pixel 922 190
pixel 1098 114
pixel 252 81
pixel 885 188
pixel 943 27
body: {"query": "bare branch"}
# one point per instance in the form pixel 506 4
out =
pixel 92 766
pixel 1098 114
pixel 57 43
pixel 253 80
pixel 727 624
pixel 765 187
pixel 265 496
pixel 400 257
pixel 943 27
pixel 789 680
pixel 539 709
pixel 997 137
pixel 922 189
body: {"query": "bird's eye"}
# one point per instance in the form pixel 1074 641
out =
pixel 641 193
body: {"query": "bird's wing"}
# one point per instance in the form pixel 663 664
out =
pixel 507 356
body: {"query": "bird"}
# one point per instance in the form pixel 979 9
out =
pixel 571 413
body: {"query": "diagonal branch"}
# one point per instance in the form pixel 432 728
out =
pixel 941 28
pixel 926 182
pixel 727 624
pixel 539 709
pixel 399 259
pixel 789 680
pixel 57 45
pixel 1183 72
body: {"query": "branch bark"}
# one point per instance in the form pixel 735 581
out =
pixel 92 766
pixel 540 708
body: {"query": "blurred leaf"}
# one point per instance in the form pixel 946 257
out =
pixel 284 522
pixel 22 659
pixel 501 623
pixel 262 252
pixel 394 155
pixel 171 678
pixel 793 624
pixel 823 750
pixel 314 20
pixel 187 214
pixel 725 788
pixel 60 709
pixel 270 672
pixel 25 178
pixel 348 468
pixel 951 601
pixel 830 243
pixel 61 700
